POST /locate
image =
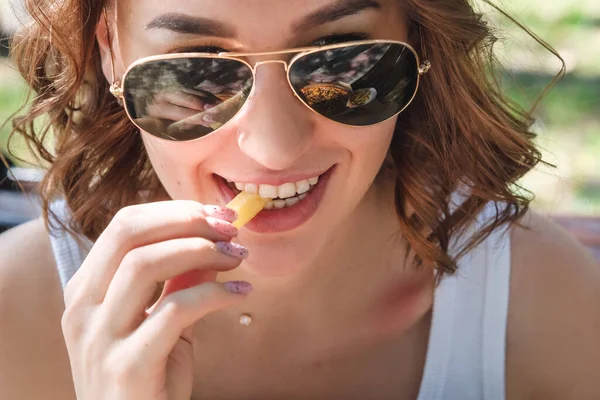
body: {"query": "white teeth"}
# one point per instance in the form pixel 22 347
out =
pixel 281 203
pixel 278 203
pixel 302 186
pixel 251 188
pixel 267 191
pixel 286 190
pixel 291 201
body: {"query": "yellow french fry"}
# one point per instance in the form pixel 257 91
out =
pixel 247 207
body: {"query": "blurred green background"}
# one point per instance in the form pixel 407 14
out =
pixel 568 119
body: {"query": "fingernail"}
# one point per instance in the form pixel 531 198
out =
pixel 232 249
pixel 221 212
pixel 240 287
pixel 222 227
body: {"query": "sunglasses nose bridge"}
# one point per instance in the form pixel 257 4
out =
pixel 285 64
pixel 259 63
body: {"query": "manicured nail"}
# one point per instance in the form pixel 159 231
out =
pixel 221 212
pixel 240 287
pixel 222 227
pixel 232 249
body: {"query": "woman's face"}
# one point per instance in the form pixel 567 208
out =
pixel 274 139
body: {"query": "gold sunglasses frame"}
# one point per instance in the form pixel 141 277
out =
pixel 117 89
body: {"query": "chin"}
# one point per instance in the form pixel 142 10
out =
pixel 276 261
pixel 288 253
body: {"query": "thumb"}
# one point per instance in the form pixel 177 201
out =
pixel 180 369
pixel 180 364
pixel 186 280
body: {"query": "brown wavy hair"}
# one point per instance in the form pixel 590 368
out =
pixel 461 131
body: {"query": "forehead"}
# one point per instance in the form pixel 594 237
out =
pixel 259 23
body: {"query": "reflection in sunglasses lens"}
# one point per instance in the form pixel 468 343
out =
pixel 186 98
pixel 357 85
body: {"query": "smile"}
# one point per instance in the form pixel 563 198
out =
pixel 293 203
pixel 285 195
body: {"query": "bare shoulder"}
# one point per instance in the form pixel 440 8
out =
pixel 31 305
pixel 553 338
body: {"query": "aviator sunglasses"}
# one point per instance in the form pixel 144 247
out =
pixel 186 96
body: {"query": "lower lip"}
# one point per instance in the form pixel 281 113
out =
pixel 284 219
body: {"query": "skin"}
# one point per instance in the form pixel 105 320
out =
pixel 347 309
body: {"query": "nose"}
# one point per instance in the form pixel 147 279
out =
pixel 276 129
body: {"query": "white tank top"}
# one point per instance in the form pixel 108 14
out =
pixel 467 343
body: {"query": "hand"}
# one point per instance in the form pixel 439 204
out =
pixel 213 117
pixel 170 106
pixel 118 349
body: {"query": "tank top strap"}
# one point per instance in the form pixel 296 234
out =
pixel 69 251
pixel 467 344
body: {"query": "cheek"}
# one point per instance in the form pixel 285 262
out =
pixel 175 164
pixel 161 153
pixel 369 149
pixel 369 145
pixel 365 150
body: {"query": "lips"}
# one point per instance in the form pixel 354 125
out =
pixel 285 214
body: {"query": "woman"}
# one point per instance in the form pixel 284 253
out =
pixel 397 259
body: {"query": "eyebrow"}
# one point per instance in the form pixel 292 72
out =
pixel 334 12
pixel 187 24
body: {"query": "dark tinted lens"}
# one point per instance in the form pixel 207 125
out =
pixel 186 98
pixel 357 85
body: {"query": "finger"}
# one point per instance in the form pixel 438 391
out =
pixel 202 119
pixel 186 100
pixel 159 333
pixel 170 111
pixel 219 113
pixel 137 226
pixel 135 281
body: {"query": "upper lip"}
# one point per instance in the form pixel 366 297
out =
pixel 275 180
